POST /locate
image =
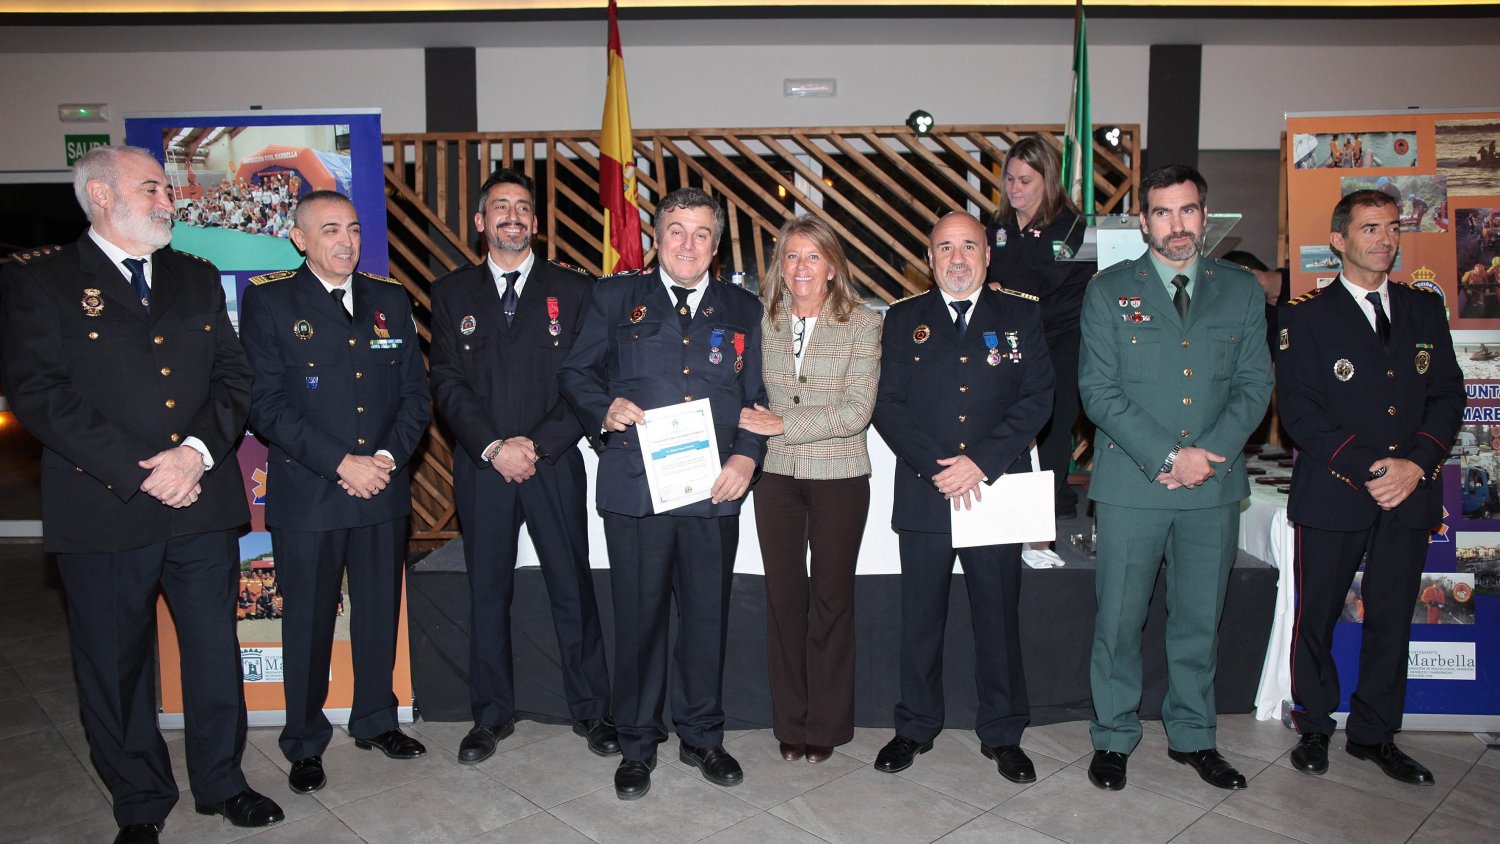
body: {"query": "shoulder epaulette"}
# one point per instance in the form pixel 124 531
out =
pixel 194 257
pixel 624 274
pixel 373 277
pixel 1113 266
pixel 1307 297
pixel 580 270
pixel 270 277
pixel 27 257
pixel 912 296
pixel 1030 297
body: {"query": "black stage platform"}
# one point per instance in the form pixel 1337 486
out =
pixel 1057 628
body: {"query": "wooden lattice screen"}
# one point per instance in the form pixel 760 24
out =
pixel 880 187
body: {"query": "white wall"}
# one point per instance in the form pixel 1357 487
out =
pixel 35 83
pixel 1247 90
pixel 741 85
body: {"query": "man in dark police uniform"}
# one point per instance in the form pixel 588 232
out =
pixel 500 329
pixel 1373 397
pixel 341 396
pixel 965 385
pixel 120 357
pixel 653 339
pixel 1175 373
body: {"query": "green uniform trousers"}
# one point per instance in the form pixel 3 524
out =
pixel 1199 547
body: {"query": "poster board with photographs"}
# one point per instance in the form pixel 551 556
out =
pixel 1443 171
pixel 235 180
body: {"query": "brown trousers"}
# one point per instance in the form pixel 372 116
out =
pixel 810 619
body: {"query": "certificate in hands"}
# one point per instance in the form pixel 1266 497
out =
pixel 1015 508
pixel 681 454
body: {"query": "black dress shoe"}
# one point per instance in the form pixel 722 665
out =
pixel 1397 765
pixel 307 775
pixel 139 833
pixel 600 732
pixel 792 752
pixel 1107 769
pixel 898 753
pixel 717 765
pixel 633 778
pixel 1310 756
pixel 479 744
pixel 248 808
pixel 1213 768
pixel 1012 761
pixel 394 744
pixel 818 753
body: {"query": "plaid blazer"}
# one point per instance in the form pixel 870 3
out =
pixel 826 409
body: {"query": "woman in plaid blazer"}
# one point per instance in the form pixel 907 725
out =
pixel 821 366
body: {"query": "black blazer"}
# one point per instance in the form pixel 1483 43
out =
pixel 492 381
pixel 1405 401
pixel 940 398
pixel 1022 259
pixel 632 346
pixel 326 387
pixel 103 384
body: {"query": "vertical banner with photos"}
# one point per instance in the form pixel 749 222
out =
pixel 235 180
pixel 1443 170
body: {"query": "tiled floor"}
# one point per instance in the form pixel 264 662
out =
pixel 546 787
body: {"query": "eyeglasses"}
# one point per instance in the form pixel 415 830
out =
pixel 799 330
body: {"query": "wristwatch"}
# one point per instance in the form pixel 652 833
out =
pixel 493 451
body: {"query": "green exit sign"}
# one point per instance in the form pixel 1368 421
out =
pixel 76 145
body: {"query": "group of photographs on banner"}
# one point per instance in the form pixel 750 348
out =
pixel 235 181
pixel 1443 171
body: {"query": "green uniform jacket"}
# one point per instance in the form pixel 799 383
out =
pixel 1150 383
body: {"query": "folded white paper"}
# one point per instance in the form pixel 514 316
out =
pixel 1015 508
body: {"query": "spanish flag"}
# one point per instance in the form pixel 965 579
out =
pixel 622 210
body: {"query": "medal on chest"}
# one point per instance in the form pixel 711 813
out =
pixel 992 342
pixel 716 340
pixel 739 351
pixel 1013 340
pixel 553 312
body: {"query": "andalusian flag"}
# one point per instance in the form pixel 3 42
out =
pixel 1078 138
pixel 622 210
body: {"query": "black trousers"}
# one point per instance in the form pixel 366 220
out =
pixel 551 506
pixel 309 572
pixel 1393 555
pixel 112 621
pixel 653 561
pixel 1054 445
pixel 810 605
pixel 993 576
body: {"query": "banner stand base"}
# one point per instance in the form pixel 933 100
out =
pixel 276 718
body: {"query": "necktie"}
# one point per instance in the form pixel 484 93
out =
pixel 1180 299
pixel 509 298
pixel 137 267
pixel 684 313
pixel 961 308
pixel 1382 322
pixel 338 299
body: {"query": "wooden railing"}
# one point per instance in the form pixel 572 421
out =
pixel 880 187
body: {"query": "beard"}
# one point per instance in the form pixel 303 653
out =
pixel 146 228
pixel 1181 253
pixel 508 244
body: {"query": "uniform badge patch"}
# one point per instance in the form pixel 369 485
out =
pixel 312 382
pixel 638 314
pixel 302 329
pixel 1286 340
pixel 467 325
pixel 1000 237
pixel 381 330
pixel 921 334
pixel 1343 369
pixel 1424 360
pixel 92 302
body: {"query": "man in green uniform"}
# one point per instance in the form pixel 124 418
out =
pixel 1175 373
